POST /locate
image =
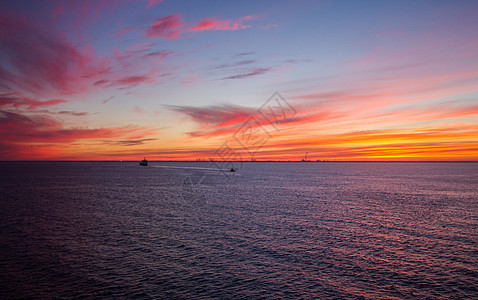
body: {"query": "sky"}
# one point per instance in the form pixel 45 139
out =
pixel 238 80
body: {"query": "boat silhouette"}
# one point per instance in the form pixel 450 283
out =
pixel 144 162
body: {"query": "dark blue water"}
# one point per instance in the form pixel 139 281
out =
pixel 269 230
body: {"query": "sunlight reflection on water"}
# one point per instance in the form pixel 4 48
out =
pixel 291 230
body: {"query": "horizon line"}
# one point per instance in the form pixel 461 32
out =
pixel 259 161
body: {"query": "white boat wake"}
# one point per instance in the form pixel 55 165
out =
pixel 195 168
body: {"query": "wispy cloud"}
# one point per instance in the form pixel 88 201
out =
pixel 168 27
pixel 107 100
pixel 20 101
pixel 73 113
pixel 216 116
pixel 20 131
pixel 56 66
pixel 269 26
pixel 138 110
pixel 249 73
pixel 171 26
pixel 297 61
pixel 244 54
pixel 214 23
pixel 129 143
pixel 159 54
pixel 153 2
pixel 59 10
pixel 236 64
pixel 122 32
pixel 124 82
pixel 218 120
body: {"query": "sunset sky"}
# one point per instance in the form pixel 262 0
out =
pixel 182 80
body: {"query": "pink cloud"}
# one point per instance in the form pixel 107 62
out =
pixel 73 113
pixel 166 27
pixel 107 100
pixel 17 101
pixel 138 56
pixel 125 82
pixel 54 66
pixel 153 2
pixel 19 132
pixel 36 104
pixel 59 11
pixel 122 32
pixel 217 116
pixel 170 27
pixel 131 80
pixel 213 23
pixel 138 110
pixel 217 120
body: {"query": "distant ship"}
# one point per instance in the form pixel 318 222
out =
pixel 144 162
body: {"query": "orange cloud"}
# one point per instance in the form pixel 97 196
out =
pixel 328 131
pixel 428 143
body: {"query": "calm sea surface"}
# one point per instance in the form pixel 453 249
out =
pixel 268 230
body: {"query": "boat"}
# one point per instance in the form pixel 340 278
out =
pixel 144 162
pixel 232 170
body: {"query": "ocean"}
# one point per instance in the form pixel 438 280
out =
pixel 194 230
